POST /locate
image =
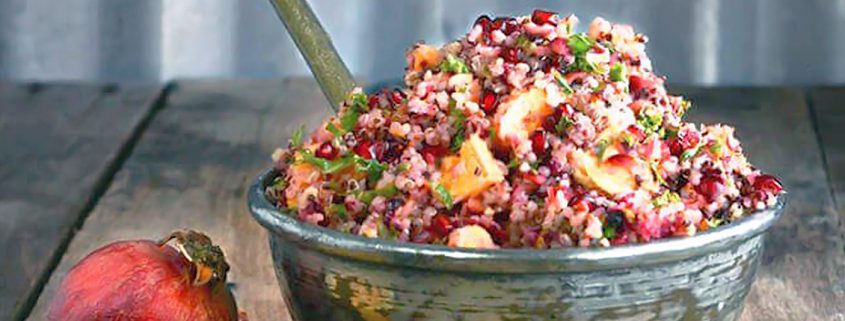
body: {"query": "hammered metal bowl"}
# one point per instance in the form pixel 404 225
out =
pixel 328 275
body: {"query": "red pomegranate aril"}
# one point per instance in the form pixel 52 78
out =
pixel 535 179
pixel 541 16
pixel 497 233
pixel 373 101
pixel 484 21
pixel 510 55
pixel 768 184
pixel 637 83
pixel 440 225
pixel 396 96
pixel 559 46
pixel 710 187
pixel 621 160
pixel 488 102
pixel 538 142
pixel 498 23
pixel 511 26
pixel 431 153
pixel 364 149
pixel 326 150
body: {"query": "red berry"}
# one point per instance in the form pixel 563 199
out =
pixel 768 184
pixel 538 142
pixel 364 149
pixel 440 225
pixel 541 16
pixel 488 102
pixel 327 151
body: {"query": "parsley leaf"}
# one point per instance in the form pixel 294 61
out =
pixel 334 130
pixel 650 122
pixel 618 72
pixel 324 165
pixel 459 122
pixel 454 65
pixel 690 153
pixel 561 81
pixel 444 195
pixel 579 44
pixel 668 197
pixel 563 125
pixel 296 138
pixel 339 210
pixel 373 168
pixel 522 41
pixel 351 114
pixel 387 191
pixel 716 148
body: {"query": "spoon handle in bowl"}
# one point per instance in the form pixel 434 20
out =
pixel 317 48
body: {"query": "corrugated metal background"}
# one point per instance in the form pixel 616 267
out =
pixel 734 42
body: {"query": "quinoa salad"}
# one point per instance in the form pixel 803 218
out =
pixel 522 134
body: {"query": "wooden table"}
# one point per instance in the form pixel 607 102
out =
pixel 83 165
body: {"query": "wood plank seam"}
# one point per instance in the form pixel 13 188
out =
pixel 100 187
pixel 814 120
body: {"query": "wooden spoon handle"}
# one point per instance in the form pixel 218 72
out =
pixel 317 48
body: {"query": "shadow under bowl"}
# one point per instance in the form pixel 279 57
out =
pixel 329 275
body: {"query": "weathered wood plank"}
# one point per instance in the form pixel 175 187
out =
pixel 191 169
pixel 58 146
pixel 828 106
pixel 804 265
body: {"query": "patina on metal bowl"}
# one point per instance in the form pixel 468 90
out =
pixel 329 275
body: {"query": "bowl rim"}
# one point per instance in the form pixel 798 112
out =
pixel 437 257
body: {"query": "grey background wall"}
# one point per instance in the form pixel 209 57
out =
pixel 703 42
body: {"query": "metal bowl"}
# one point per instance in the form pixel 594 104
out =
pixel 329 275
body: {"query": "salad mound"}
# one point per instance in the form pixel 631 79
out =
pixel 523 133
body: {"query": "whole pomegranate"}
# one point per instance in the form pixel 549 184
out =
pixel 148 281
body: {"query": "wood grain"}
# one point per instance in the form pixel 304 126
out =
pixel 58 147
pixel 191 170
pixel 803 271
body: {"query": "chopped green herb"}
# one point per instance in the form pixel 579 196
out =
pixel 628 139
pixel 561 81
pixel 609 232
pixel 339 210
pixel 444 195
pixel 513 163
pixel 582 64
pixel 650 122
pixel 563 125
pixel 278 183
pixel 296 138
pixel 327 166
pixel 685 106
pixel 403 167
pixel 690 153
pixel 454 65
pixel 618 72
pixel 387 191
pixel 522 41
pixel 714 222
pixel 668 197
pixel 334 130
pixel 372 167
pixel 459 122
pixel 492 134
pixel 716 148
pixel 656 170
pixel 351 114
pixel 579 44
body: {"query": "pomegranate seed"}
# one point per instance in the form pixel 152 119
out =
pixel 687 139
pixel 501 217
pixel 555 167
pixel 710 187
pixel 498 23
pixel 559 46
pixel 364 149
pixel 637 83
pixel 635 131
pixel 488 102
pixel 396 96
pixel 327 151
pixel 484 21
pixel 768 184
pixel 373 101
pixel 511 26
pixel 541 16
pixel 496 232
pixel 440 225
pixel 431 153
pixel 510 55
pixel 538 143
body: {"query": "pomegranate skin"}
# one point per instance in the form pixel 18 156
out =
pixel 139 281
